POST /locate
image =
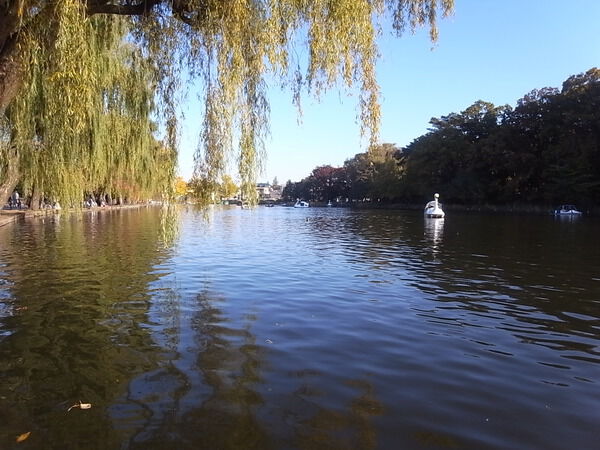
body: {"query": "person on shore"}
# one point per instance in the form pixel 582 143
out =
pixel 16 200
pixel 90 202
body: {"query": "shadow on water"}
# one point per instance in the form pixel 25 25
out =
pixel 204 396
pixel 528 268
pixel 75 300
pixel 284 329
pixel 215 393
pixel 503 314
pixel 92 311
pixel 538 271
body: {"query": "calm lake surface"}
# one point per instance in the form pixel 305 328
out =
pixel 293 328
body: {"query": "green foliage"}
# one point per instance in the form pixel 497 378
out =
pixel 203 190
pixel 544 151
pixel 82 121
pixel 227 188
pixel 234 47
pixel 371 175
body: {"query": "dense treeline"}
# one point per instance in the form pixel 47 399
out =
pixel 545 150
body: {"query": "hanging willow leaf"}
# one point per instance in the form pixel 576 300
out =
pixel 83 120
pixel 99 72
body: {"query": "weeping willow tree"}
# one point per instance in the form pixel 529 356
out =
pixel 233 46
pixel 82 122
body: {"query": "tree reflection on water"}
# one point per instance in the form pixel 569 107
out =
pixel 77 290
pixel 213 395
pixel 92 312
pixel 356 330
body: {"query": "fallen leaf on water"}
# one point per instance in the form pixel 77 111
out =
pixel 80 406
pixel 22 437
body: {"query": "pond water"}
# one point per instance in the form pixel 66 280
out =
pixel 283 328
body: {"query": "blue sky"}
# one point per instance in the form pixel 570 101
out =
pixel 488 50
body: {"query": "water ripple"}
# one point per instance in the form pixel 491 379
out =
pixel 320 328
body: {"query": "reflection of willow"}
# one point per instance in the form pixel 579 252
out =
pixel 169 223
pixel 219 413
pixel 230 364
pixel 78 292
pixel 215 400
pixel 334 429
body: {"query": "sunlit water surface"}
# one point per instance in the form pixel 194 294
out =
pixel 300 329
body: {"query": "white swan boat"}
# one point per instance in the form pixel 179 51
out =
pixel 301 204
pixel 567 210
pixel 434 208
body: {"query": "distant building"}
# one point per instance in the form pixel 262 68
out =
pixel 264 191
pixel 267 191
pixel 276 192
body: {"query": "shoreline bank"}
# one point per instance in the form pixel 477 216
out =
pixel 529 210
pixel 8 216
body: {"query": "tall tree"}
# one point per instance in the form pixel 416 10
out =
pixel 386 161
pixel 327 183
pixel 65 136
pixel 231 45
pixel 545 151
pixel 359 173
pixel 228 188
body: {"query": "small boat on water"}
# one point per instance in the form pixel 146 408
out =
pixel 567 210
pixel 301 204
pixel 434 208
pixel 329 205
